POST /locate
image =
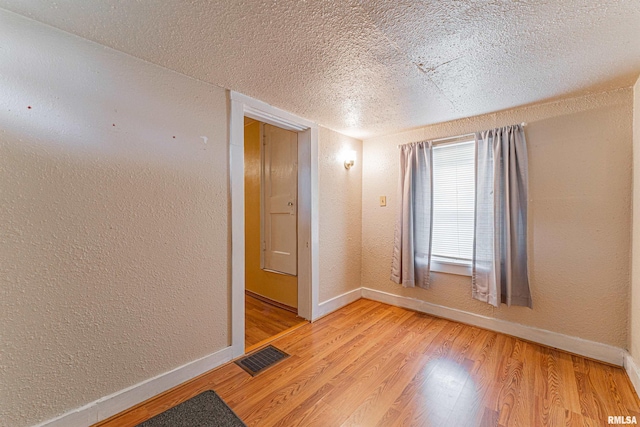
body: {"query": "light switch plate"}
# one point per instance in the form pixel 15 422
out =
pixel 383 200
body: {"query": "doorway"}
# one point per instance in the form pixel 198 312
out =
pixel 308 206
pixel 271 232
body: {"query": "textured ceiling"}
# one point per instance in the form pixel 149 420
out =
pixel 368 67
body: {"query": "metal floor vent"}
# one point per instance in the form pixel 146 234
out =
pixel 261 360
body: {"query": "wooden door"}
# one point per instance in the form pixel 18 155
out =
pixel 279 197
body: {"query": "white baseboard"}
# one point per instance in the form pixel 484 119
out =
pixel 582 347
pixel 108 406
pixel 340 301
pixel 633 370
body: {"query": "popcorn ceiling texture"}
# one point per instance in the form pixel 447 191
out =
pixel 340 214
pixel 634 323
pixel 115 229
pixel 372 66
pixel 580 160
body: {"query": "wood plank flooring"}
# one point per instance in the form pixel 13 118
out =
pixel 370 364
pixel 263 321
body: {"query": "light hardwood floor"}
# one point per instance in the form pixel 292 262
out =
pixel 370 364
pixel 263 321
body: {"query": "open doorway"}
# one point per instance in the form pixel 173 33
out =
pixel 271 232
pixel 308 206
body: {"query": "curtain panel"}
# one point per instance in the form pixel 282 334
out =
pixel 412 241
pixel 499 270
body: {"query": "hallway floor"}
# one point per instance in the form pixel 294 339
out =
pixel 263 321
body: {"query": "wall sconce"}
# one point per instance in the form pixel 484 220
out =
pixel 349 159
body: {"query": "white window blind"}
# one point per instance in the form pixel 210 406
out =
pixel 453 201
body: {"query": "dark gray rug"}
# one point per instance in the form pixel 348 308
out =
pixel 203 410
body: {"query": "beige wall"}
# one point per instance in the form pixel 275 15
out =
pixel 340 215
pixel 634 323
pixel 279 287
pixel 115 254
pixel 580 153
pixel 115 235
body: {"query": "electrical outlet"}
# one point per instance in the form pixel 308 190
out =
pixel 383 200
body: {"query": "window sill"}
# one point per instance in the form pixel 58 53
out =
pixel 460 268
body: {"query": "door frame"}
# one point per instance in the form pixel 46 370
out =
pixel 308 220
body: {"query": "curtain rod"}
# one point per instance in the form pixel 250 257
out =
pixel 457 137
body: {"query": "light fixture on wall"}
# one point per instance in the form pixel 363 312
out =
pixel 349 158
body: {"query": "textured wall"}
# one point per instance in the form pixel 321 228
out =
pixel 115 241
pixel 580 153
pixel 279 287
pixel 634 323
pixel 340 215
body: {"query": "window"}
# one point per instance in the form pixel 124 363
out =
pixel 453 207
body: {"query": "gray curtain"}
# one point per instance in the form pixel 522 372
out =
pixel 500 272
pixel 412 241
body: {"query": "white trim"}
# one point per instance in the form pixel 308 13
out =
pixel 236 170
pixel 272 119
pixel 336 303
pixel 308 255
pixel 305 184
pixel 582 347
pixel 451 267
pixel 633 370
pixel 266 113
pixel 117 402
pixel 314 250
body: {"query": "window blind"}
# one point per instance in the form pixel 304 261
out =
pixel 453 201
